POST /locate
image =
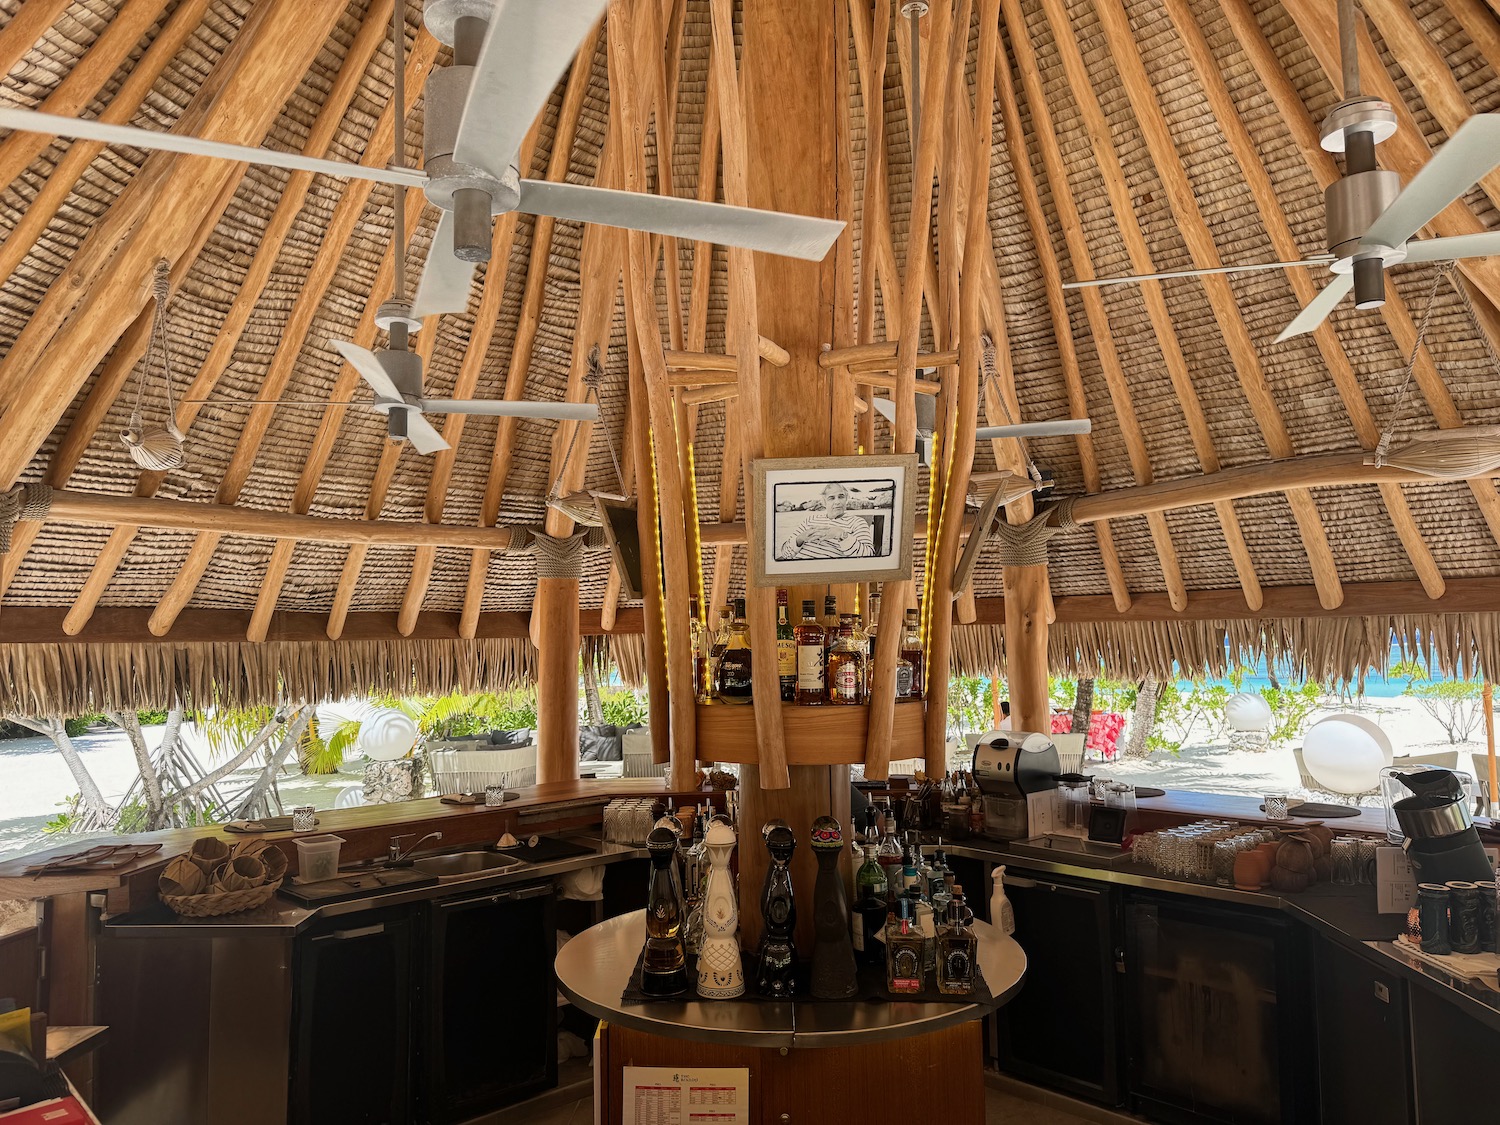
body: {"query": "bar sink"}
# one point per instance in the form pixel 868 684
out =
pixel 464 865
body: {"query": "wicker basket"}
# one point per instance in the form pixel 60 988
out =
pixel 221 902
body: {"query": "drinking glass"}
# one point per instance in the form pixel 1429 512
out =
pixel 1345 853
pixel 1276 806
pixel 494 795
pixel 304 818
pixel 1225 852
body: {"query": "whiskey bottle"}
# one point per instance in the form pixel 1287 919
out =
pixel 786 650
pixel 808 636
pixel 734 665
pixel 911 653
pixel 717 644
pixel 957 949
pixel 846 666
pixel 903 951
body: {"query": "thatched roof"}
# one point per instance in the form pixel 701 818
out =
pixel 263 281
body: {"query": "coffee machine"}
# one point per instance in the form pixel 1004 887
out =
pixel 1013 768
pixel 1427 813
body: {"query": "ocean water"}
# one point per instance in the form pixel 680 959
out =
pixel 1377 685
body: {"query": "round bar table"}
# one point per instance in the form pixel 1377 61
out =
pixel 808 1060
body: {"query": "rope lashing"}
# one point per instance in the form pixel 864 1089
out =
pixel 1025 544
pixel 158 448
pixel 1383 446
pixel 24 502
pixel 558 557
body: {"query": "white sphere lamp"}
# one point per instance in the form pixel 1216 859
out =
pixel 387 735
pixel 1247 711
pixel 1345 753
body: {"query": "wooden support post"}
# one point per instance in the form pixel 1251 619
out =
pixel 556 610
pixel 1026 647
pixel 1489 740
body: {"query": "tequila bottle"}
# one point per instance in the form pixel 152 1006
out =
pixel 734 665
pixel 957 949
pixel 833 954
pixel 903 952
pixel 664 965
pixel 720 976
pixel 776 961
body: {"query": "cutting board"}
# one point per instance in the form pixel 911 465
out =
pixel 356 885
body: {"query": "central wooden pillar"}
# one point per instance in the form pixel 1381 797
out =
pixel 555 631
pixel 788 59
pixel 1026 647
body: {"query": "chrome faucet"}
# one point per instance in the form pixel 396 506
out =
pixel 394 856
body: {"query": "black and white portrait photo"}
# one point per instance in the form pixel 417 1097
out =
pixel 833 519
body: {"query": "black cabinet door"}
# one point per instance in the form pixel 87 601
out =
pixel 1363 1046
pixel 489 1029
pixel 1061 1029
pixel 1453 1057
pixel 351 1037
pixel 1218 1015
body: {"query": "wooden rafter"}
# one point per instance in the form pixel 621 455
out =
pixel 1284 245
pixel 29 24
pixel 1205 255
pixel 527 323
pixel 1093 303
pixel 104 285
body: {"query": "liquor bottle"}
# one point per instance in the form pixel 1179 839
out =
pixel 846 666
pixel 720 976
pixel 786 650
pixel 808 636
pixel 734 665
pixel 702 646
pixel 663 964
pixel 776 959
pixel 939 883
pixel 903 952
pixel 957 949
pixel 923 922
pixel 889 856
pixel 872 624
pixel 830 621
pixel 717 645
pixel 869 908
pixel 911 652
pixel 833 969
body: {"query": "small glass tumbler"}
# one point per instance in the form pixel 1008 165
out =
pixel 304 818
pixel 1345 854
pixel 494 795
pixel 1365 870
pixel 1224 855
pixel 1276 806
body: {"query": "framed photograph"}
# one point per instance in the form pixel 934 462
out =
pixel 833 519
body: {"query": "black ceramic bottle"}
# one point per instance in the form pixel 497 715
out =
pixel 664 965
pixel 776 960
pixel 833 970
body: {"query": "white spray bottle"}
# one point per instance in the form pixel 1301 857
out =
pixel 1002 914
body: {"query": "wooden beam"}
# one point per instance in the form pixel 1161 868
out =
pixel 770 351
pixel 104 286
pixel 122 107
pixel 1071 221
pixel 34 19
pixel 557 679
pixel 529 320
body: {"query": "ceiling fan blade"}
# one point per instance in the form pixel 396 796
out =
pixel 1170 275
pixel 1035 429
pixel 1470 154
pixel 367 363
pixel 514 408
pixel 1319 307
pixel 78 128
pixel 527 46
pixel 446 280
pixel 1458 246
pixel 772 232
pixel 424 439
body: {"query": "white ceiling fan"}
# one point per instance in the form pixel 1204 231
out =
pixel 507 56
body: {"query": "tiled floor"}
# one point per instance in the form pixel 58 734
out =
pixel 1000 1109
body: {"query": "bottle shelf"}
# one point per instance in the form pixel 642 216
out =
pixel 829 735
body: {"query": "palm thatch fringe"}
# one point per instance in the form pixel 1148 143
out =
pixel 77 679
pixel 627 652
pixel 1341 650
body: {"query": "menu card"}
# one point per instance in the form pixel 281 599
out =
pixel 664 1095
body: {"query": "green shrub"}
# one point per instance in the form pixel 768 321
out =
pixel 624 708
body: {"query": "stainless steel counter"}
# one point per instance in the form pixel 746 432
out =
pixel 595 966
pixel 282 917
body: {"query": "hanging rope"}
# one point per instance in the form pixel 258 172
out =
pixel 580 507
pixel 1383 446
pixel 158 448
pixel 1025 544
pixel 558 557
pixel 24 502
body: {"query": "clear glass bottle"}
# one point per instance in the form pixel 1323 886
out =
pixel 940 883
pixel 872 623
pixel 889 856
pixel 911 653
pixel 846 666
pixel 734 665
pixel 811 666
pixel 958 949
pixel 663 964
pixel 702 647
pixel 830 621
pixel 717 644
pixel 903 951
pixel 786 650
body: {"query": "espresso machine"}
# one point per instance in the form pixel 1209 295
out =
pixel 1013 768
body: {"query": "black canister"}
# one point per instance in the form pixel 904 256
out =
pixel 1489 940
pixel 1432 902
pixel 1463 916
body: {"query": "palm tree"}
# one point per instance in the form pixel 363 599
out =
pixel 92 813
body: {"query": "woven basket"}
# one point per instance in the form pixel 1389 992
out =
pixel 221 902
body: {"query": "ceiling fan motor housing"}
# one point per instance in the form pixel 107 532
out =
pixel 405 371
pixel 1354 202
